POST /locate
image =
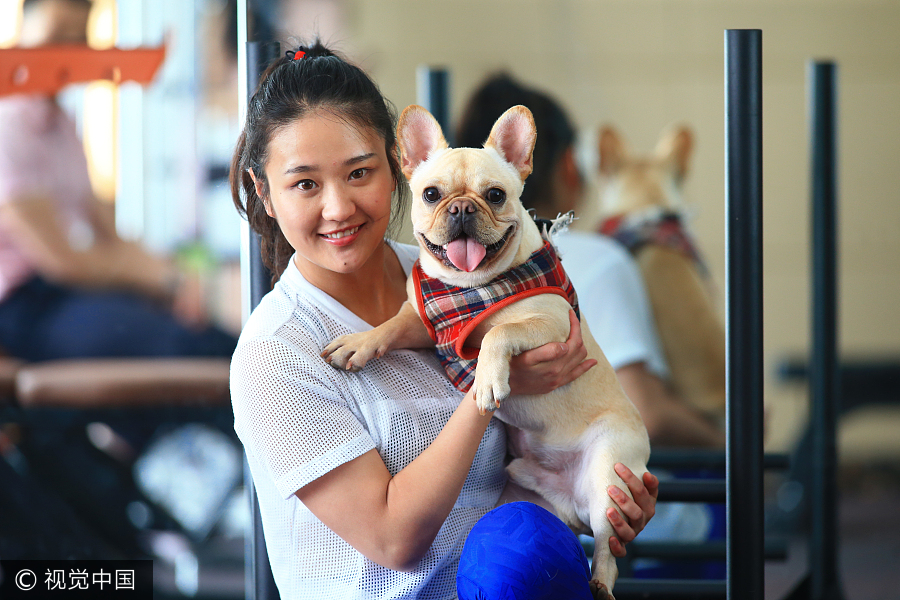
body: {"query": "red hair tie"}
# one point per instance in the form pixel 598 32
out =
pixel 299 54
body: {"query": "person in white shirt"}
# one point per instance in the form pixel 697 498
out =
pixel 368 482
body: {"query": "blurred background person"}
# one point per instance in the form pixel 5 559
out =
pixel 69 285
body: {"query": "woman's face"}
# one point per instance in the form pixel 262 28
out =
pixel 330 188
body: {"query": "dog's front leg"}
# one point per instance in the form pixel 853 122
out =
pixel 499 345
pixel 404 330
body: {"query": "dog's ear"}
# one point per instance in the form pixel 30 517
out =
pixel 612 151
pixel 418 135
pixel 675 147
pixel 513 136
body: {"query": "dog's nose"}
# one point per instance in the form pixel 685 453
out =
pixel 460 206
pixel 460 215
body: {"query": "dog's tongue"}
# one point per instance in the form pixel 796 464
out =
pixel 465 253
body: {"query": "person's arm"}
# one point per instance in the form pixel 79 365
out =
pixel 102 260
pixel 394 520
pixel 616 307
pixel 669 421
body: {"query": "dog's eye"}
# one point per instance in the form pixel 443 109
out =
pixel 431 195
pixel 496 196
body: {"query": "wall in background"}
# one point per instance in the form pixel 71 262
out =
pixel 643 64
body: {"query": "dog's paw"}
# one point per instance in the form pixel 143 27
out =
pixel 599 591
pixel 489 393
pixel 353 351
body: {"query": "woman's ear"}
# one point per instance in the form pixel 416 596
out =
pixel 260 191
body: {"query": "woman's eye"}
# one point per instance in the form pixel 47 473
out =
pixel 306 184
pixel 358 173
pixel 496 196
pixel 431 195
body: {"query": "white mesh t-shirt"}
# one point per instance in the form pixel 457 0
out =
pixel 298 418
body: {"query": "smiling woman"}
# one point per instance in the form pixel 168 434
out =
pixel 368 482
pixel 331 196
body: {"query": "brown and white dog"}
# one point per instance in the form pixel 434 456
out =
pixel 642 208
pixel 473 231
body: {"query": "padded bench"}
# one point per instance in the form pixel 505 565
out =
pixel 123 383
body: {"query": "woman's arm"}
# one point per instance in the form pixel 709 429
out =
pixel 99 260
pixel 394 520
pixel 102 260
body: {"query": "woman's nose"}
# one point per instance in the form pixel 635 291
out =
pixel 337 204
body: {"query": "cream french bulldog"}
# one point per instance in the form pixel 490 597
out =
pixel 473 230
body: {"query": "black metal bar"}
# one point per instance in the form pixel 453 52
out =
pixel 863 381
pixel 259 55
pixel 260 583
pixel 692 490
pixel 743 134
pixel 713 460
pixel 669 589
pixel 775 549
pixel 433 94
pixel 824 373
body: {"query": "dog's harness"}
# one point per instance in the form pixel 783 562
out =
pixel 662 229
pixel 454 312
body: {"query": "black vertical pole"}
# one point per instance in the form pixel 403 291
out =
pixel 433 94
pixel 743 157
pixel 260 50
pixel 824 372
pixel 259 55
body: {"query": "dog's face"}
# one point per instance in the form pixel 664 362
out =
pixel 466 212
pixel 632 183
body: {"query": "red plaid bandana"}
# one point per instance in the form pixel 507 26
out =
pixel 665 229
pixel 453 312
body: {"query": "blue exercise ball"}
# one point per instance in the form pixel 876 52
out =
pixel 520 551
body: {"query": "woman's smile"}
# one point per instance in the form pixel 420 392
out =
pixel 342 237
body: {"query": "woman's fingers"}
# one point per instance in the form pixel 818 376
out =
pixel 637 509
pixel 651 482
pixel 624 531
pixel 578 353
pixel 572 350
pixel 616 547
pixel 542 354
pixel 543 369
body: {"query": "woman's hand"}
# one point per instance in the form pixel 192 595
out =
pixel 638 511
pixel 543 369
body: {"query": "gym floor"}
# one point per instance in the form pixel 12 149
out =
pixel 869 540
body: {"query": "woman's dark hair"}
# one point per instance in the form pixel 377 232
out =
pixel 288 90
pixel 554 130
